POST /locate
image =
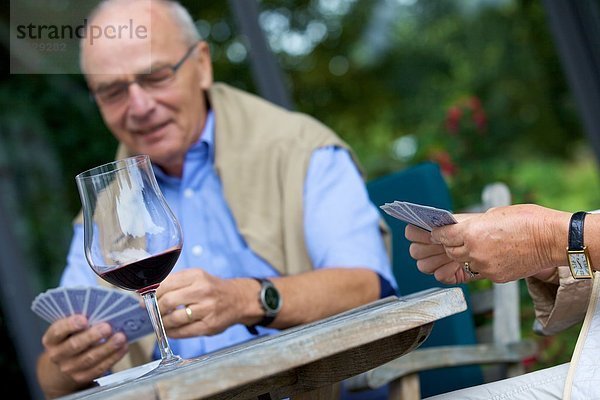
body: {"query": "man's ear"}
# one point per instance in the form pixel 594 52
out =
pixel 204 64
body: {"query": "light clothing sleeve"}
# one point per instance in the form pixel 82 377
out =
pixel 560 302
pixel 341 223
pixel 77 272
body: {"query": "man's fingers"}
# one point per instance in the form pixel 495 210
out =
pixel 80 342
pixel 453 235
pixel 415 234
pixel 63 328
pixel 171 301
pixel 419 250
pixel 180 317
pixel 459 253
pixel 194 329
pixel 200 327
pixel 179 280
pixel 171 283
pixel 450 273
pixel 448 235
pixel 431 264
pixel 98 360
pixel 464 217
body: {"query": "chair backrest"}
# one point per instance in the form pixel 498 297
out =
pixel 424 184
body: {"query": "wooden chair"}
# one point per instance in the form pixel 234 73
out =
pixel 457 349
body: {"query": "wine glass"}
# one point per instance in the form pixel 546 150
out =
pixel 132 239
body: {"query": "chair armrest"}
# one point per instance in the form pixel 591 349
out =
pixel 440 357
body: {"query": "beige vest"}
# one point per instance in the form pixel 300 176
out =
pixel 262 154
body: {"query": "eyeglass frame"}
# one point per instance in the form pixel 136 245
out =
pixel 125 84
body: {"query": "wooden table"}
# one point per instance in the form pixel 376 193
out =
pixel 305 361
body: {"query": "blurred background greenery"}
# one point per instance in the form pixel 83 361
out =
pixel 475 85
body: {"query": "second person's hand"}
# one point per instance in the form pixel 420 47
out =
pixel 498 243
pixel 432 258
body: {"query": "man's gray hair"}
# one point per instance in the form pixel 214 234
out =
pixel 184 20
pixel 179 13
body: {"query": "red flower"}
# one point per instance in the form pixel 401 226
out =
pixel 475 104
pixel 469 106
pixel 480 120
pixel 453 119
pixel 443 158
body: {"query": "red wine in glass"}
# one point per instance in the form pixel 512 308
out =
pixel 131 237
pixel 145 273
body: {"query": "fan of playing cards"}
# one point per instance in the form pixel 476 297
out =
pixel 122 310
pixel 416 214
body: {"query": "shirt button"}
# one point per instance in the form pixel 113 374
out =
pixel 188 193
pixel 197 250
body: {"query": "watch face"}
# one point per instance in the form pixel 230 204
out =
pixel 579 264
pixel 271 298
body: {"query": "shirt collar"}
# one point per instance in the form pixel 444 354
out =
pixel 205 144
pixel 206 140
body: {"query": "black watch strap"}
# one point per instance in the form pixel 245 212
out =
pixel 267 319
pixel 576 231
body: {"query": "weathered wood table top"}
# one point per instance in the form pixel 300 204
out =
pixel 300 359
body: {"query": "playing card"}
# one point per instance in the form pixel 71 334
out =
pixel 41 310
pixel 49 304
pixel 398 205
pixel 390 211
pixel 95 299
pixel 77 297
pixel 386 207
pixel 59 297
pixel 431 215
pixel 424 217
pixel 134 322
pixel 121 309
pixel 397 211
pixel 115 303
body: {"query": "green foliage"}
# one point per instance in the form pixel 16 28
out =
pixel 48 138
pixel 565 185
pixel 434 56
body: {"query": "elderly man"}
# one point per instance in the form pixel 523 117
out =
pixel 260 193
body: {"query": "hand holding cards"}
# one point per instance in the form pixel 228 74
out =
pixel 424 217
pixel 122 310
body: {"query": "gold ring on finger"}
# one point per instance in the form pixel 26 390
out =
pixel 188 312
pixel 468 270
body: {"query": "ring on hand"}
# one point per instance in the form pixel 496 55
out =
pixel 188 312
pixel 468 270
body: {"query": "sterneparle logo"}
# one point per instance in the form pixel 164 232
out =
pixel 83 31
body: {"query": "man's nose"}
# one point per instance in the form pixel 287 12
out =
pixel 140 101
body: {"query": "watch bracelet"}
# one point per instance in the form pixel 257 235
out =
pixel 576 245
pixel 267 319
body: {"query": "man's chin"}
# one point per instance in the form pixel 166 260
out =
pixel 154 136
pixel 161 153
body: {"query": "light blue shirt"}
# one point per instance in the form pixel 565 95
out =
pixel 341 229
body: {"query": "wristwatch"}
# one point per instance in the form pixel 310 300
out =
pixel 577 254
pixel 271 303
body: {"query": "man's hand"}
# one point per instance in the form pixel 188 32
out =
pixel 432 258
pixel 76 354
pixel 506 243
pixel 215 304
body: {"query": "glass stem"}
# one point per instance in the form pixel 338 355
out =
pixel 161 337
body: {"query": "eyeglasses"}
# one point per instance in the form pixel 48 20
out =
pixel 151 82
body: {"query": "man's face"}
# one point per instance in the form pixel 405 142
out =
pixel 161 120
